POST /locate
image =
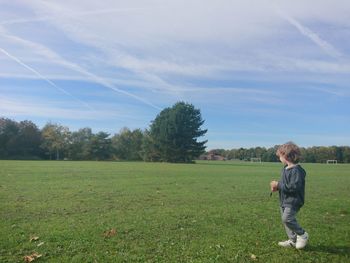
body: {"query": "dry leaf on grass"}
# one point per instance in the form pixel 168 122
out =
pixel 32 257
pixel 253 257
pixel 33 238
pixel 110 233
pixel 40 244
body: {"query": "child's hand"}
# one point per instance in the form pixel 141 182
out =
pixel 274 186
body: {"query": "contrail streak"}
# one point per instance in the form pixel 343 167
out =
pixel 63 62
pixel 323 44
pixel 106 84
pixel 76 67
pixel 44 78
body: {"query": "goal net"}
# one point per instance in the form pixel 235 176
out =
pixel 332 161
pixel 255 160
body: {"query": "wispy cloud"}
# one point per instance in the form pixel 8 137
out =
pixel 13 107
pixel 237 60
pixel 76 14
pixel 23 106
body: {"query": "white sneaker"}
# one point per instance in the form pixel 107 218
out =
pixel 302 241
pixel 287 243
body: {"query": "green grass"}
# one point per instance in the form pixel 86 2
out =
pixel 204 212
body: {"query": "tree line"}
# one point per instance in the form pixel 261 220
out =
pixel 315 154
pixel 171 137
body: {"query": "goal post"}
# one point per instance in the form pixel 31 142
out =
pixel 255 160
pixel 332 162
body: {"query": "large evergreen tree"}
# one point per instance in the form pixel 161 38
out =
pixel 174 134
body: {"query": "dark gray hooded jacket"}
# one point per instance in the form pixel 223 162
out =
pixel 291 187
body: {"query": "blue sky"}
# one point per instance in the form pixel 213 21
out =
pixel 261 72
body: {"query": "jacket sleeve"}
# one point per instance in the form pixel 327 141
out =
pixel 293 183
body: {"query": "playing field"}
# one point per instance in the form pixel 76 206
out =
pixel 157 212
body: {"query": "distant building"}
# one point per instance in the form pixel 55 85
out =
pixel 212 156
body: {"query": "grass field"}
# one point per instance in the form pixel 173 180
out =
pixel 204 212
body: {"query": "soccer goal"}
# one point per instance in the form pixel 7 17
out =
pixel 332 161
pixel 255 160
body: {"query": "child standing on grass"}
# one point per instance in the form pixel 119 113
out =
pixel 291 190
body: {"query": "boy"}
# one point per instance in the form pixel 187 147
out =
pixel 291 190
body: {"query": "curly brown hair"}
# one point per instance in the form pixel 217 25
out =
pixel 290 151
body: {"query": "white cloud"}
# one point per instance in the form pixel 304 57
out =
pixel 55 109
pixel 184 38
pixel 220 54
